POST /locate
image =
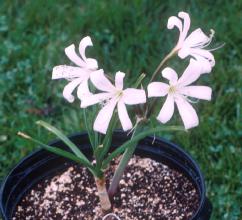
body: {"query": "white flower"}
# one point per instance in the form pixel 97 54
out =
pixel 193 44
pixel 178 91
pixel 110 97
pixel 78 76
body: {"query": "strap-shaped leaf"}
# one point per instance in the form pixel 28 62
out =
pixel 139 80
pixel 137 138
pixel 59 151
pixel 89 132
pixel 108 138
pixel 65 139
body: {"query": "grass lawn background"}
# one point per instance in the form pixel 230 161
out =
pixel 130 36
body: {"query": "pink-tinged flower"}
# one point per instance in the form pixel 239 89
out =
pixel 110 97
pixel 193 44
pixel 178 91
pixel 77 75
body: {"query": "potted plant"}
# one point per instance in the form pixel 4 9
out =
pixel 37 183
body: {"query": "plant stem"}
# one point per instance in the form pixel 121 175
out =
pixel 158 69
pixel 120 170
pixel 121 167
pixel 103 194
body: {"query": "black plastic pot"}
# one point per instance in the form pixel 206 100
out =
pixel 41 164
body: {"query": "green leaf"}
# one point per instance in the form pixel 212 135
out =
pixel 108 138
pixel 139 80
pixel 59 151
pixel 96 139
pixel 65 139
pixel 91 136
pixel 137 138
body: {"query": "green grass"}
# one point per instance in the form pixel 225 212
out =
pixel 130 36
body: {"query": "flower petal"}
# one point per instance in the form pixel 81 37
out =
pixel 83 90
pixel 94 99
pixel 170 74
pixel 184 52
pixel 186 24
pixel 123 116
pixel 191 73
pixel 92 64
pixel 71 54
pixel 196 38
pixel 69 88
pixel 133 96
pixel 119 78
pixel 84 43
pixel 174 21
pixel 104 116
pixel 204 53
pixel 204 63
pixel 68 72
pixel 199 92
pixel 187 113
pixel 157 89
pixel 101 82
pixel 167 110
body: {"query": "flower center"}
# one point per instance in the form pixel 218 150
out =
pixel 172 90
pixel 119 93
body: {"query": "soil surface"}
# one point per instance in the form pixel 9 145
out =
pixel 148 190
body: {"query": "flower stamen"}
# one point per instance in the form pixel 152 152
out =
pixel 218 47
pixel 190 100
pixel 172 90
pixel 119 93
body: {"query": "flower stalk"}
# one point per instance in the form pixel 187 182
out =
pixel 150 109
pixel 123 164
pixel 103 194
pixel 120 169
pixel 159 67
